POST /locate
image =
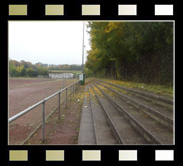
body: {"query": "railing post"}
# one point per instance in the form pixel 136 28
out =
pixel 59 105
pixel 70 93
pixel 65 80
pixel 66 97
pixel 43 122
pixel 73 90
pixel 62 82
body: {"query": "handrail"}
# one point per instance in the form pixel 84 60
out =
pixel 37 104
pixel 24 112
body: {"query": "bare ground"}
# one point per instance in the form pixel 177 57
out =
pixel 66 129
pixel 26 95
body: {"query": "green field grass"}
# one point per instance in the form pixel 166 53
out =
pixel 161 89
pixel 65 71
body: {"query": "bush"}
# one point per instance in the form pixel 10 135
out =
pixel 42 71
pixel 31 72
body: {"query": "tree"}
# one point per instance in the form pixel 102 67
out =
pixel 31 72
pixel 23 72
pixel 14 62
pixel 88 72
pixel 42 71
pixel 12 69
pixel 116 44
pixel 20 70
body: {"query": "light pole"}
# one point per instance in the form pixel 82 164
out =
pixel 83 49
pixel 84 59
pixel 85 54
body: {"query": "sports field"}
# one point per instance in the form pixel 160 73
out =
pixel 25 92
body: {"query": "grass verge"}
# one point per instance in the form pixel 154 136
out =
pixel 160 89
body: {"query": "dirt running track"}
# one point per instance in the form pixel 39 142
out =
pixel 24 93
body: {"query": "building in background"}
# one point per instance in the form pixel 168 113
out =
pixel 61 75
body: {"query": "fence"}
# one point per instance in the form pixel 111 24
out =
pixel 74 86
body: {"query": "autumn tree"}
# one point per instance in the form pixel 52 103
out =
pixel 31 72
pixel 12 68
pixel 115 46
pixel 42 70
pixel 20 71
pixel 15 63
pixel 22 68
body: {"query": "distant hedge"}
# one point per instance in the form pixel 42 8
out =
pixel 24 68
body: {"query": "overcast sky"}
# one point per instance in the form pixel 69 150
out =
pixel 50 42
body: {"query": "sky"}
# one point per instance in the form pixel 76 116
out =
pixel 48 42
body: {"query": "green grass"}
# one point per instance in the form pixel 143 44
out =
pixel 161 89
pixel 66 71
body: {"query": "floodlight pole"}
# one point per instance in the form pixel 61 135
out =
pixel 83 50
pixel 83 58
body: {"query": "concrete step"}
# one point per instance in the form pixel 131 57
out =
pixel 86 133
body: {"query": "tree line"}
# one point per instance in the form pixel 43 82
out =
pixel 24 68
pixel 135 51
pixel 66 67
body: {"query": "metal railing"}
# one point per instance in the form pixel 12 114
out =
pixel 74 86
